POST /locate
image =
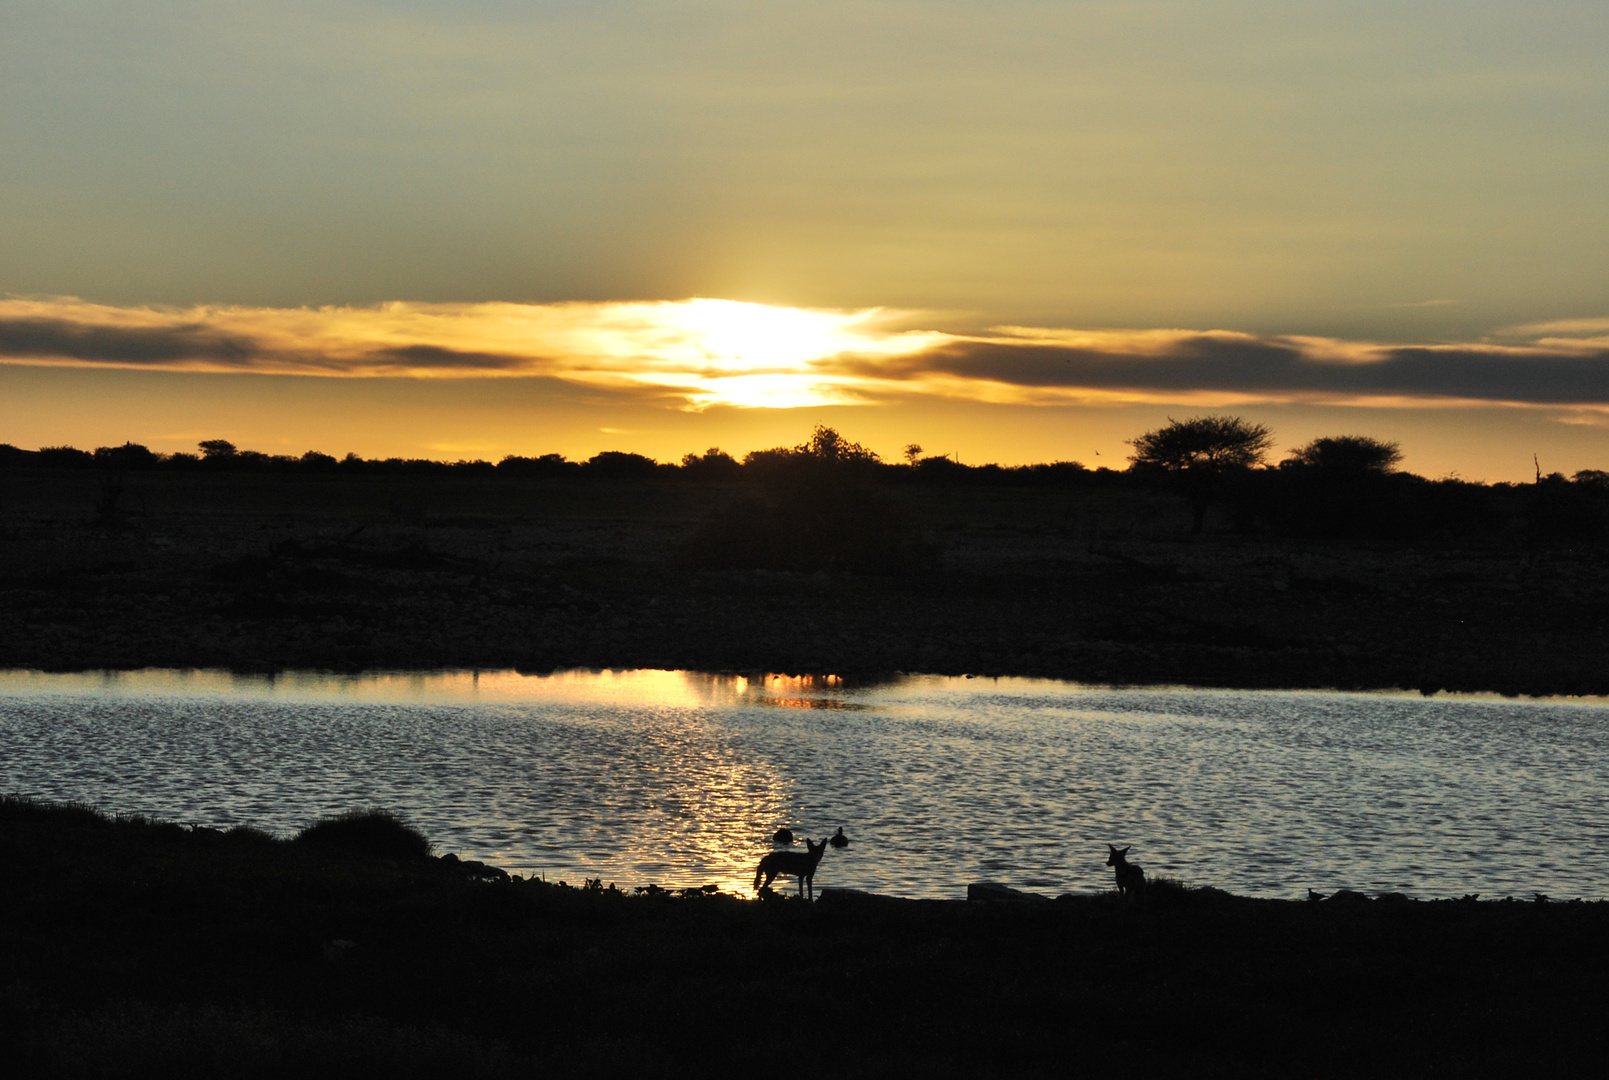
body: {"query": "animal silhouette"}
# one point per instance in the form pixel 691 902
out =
pixel 800 865
pixel 783 835
pixel 838 839
pixel 1130 878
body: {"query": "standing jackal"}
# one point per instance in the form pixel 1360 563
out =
pixel 799 865
pixel 1130 878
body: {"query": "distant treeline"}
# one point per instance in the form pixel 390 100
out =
pixel 218 455
pixel 1343 487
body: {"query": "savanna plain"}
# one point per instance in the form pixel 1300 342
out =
pixel 132 945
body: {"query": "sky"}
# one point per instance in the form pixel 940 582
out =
pixel 1006 231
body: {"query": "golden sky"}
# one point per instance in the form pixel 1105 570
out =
pixel 1013 231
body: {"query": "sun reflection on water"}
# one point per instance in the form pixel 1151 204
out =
pixel 636 687
pixel 680 778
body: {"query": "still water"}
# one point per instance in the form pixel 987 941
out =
pixel 679 778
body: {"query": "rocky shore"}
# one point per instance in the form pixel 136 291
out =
pixel 266 573
pixel 130 947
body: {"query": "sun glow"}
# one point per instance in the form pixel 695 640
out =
pixel 726 352
pixel 693 354
pixel 710 352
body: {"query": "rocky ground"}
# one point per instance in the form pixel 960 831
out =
pixel 266 572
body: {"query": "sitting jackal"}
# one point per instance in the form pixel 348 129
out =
pixel 1130 878
pixel 799 864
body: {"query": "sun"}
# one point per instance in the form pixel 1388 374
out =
pixel 758 355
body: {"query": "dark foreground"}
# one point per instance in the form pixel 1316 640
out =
pixel 1099 584
pixel 132 948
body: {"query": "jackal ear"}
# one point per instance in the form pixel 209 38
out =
pixel 1112 849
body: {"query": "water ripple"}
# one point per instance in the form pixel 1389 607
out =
pixel 680 778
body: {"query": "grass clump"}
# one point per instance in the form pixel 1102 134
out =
pixel 371 831
pixel 25 808
pixel 1169 890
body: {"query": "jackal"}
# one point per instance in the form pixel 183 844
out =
pixel 1130 878
pixel 799 865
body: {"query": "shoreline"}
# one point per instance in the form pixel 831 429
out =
pixel 132 944
pixel 272 676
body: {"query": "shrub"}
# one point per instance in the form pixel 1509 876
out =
pixel 130 455
pixel 548 465
pixel 617 465
pixel 715 464
pixel 1346 455
pixel 64 457
pixel 373 831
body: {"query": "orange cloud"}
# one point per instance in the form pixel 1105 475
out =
pixel 704 352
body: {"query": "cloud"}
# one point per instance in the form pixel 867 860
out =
pixel 703 352
pixel 1191 366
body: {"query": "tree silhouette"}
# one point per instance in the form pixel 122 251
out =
pixel 1346 455
pixel 715 464
pixel 825 444
pixel 1199 452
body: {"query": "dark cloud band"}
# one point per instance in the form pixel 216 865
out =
pixel 1274 366
pixel 1159 365
pixel 136 346
pixel 197 343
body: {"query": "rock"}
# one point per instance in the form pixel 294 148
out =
pixel 994 892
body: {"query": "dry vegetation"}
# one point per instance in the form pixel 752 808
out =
pixel 1095 578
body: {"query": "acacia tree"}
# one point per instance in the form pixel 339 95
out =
pixel 1200 451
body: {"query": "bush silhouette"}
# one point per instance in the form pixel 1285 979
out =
pixel 373 831
pixel 64 457
pixel 130 455
pixel 715 464
pixel 1345 455
pixel 618 465
pixel 546 466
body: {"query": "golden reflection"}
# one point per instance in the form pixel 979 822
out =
pixel 638 687
pixel 774 689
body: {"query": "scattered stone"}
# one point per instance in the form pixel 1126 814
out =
pixel 994 892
